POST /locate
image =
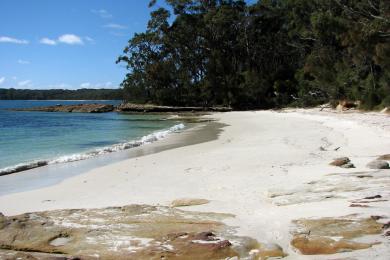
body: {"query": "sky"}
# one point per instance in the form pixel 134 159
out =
pixel 52 44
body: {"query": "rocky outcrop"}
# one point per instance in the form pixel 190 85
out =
pixel 347 105
pixel 378 164
pixel 79 108
pixel 129 232
pixel 129 107
pixel 333 235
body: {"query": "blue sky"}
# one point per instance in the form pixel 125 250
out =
pixel 66 44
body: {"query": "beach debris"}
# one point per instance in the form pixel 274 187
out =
pixel 333 235
pixel 185 202
pixel 385 157
pixel 129 232
pixel 341 162
pixel 378 164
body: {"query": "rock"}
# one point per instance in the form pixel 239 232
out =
pixel 385 157
pixel 346 105
pixel 373 197
pixel 378 164
pixel 386 225
pixel 339 108
pixel 79 108
pixel 148 108
pixel 377 217
pixel 348 165
pixel 129 232
pixel 185 202
pixel 359 206
pixel 270 250
pixel 325 245
pixel 315 236
pixel 340 161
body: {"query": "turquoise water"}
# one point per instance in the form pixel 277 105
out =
pixel 27 137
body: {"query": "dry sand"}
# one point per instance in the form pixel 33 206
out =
pixel 267 168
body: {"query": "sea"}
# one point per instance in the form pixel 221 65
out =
pixel 41 138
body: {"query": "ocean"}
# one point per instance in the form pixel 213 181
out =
pixel 31 138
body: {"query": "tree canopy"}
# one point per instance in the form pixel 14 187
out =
pixel 268 54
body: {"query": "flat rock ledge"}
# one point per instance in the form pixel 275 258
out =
pixel 333 235
pixel 129 232
pixel 129 107
pixel 79 108
pixel 186 202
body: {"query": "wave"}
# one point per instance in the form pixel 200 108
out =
pixel 97 152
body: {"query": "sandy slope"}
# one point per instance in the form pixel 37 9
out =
pixel 257 158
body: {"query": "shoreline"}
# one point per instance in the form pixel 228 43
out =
pixel 52 174
pixel 261 169
pixel 97 152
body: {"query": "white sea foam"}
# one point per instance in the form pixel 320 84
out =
pixel 97 152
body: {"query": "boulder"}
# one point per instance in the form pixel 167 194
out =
pixel 378 164
pixel 340 161
pixel 348 165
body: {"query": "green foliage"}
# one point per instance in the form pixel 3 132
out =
pixel 268 54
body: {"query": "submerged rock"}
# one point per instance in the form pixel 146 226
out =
pixel 378 164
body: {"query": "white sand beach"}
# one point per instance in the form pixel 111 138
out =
pixel 267 168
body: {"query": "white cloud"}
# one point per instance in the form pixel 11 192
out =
pixel 70 39
pixel 85 85
pixel 118 34
pixel 24 62
pixel 48 41
pixel 25 83
pixel 89 39
pixel 107 84
pixel 115 26
pixel 102 13
pixel 2 79
pixel 6 39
